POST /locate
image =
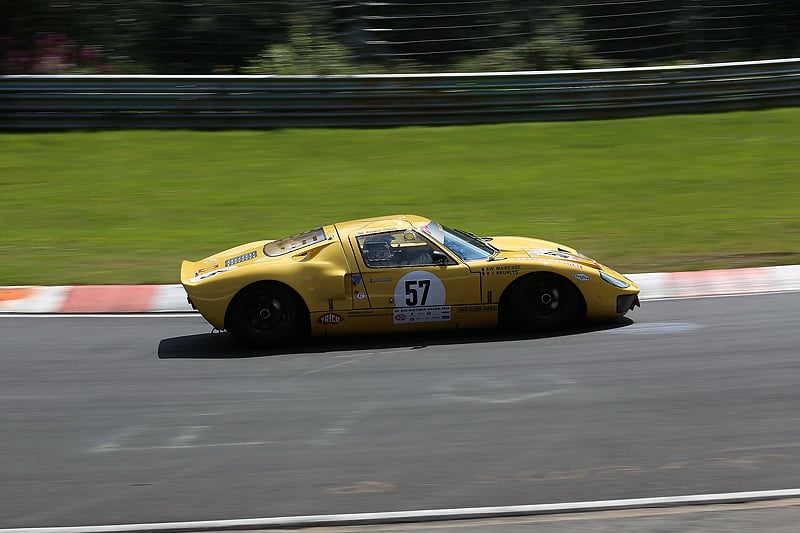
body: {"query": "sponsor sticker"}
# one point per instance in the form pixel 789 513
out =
pixel 477 309
pixel 206 269
pixel 206 275
pixel 375 230
pixel 357 279
pixel 330 319
pixel 582 277
pixel 543 260
pixel 552 253
pixel 573 265
pixel 415 315
pixel 501 270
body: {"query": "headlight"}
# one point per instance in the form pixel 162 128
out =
pixel 614 281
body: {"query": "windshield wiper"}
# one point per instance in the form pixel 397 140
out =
pixel 478 237
pixel 483 241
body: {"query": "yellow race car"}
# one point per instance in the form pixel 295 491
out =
pixel 400 273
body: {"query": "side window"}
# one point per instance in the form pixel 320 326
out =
pixel 395 249
pixel 377 250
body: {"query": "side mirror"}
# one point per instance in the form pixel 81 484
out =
pixel 440 258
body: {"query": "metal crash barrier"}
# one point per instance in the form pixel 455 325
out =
pixel 37 102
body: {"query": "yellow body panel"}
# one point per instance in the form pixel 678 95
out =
pixel 347 289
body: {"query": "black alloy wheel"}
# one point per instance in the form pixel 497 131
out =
pixel 542 301
pixel 265 314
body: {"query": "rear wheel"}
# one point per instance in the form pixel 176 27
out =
pixel 541 302
pixel 266 314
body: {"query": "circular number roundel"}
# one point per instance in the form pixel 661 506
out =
pixel 419 288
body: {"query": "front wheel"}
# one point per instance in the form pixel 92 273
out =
pixel 541 302
pixel 265 314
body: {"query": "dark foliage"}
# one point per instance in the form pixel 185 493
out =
pixel 222 36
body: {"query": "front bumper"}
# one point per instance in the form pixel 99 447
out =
pixel 627 302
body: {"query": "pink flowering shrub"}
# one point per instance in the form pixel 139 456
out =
pixel 51 54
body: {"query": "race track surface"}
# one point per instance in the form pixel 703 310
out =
pixel 150 419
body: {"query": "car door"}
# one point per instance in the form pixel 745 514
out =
pixel 411 276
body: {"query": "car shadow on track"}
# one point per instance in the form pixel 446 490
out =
pixel 223 345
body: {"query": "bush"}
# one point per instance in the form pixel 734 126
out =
pixel 556 47
pixel 52 54
pixel 305 52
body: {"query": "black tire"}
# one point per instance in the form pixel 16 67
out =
pixel 266 314
pixel 541 302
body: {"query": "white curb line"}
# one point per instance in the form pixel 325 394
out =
pixel 288 522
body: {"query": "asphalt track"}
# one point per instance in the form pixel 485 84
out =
pixel 124 420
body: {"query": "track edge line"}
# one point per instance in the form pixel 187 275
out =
pixel 295 522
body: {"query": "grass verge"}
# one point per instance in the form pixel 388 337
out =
pixel 664 193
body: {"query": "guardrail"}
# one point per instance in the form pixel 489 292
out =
pixel 119 101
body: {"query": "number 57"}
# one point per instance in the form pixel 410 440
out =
pixel 413 289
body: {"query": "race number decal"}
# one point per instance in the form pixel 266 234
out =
pixel 418 289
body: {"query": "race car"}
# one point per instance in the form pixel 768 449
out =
pixel 399 273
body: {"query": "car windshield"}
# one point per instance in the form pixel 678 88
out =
pixel 467 246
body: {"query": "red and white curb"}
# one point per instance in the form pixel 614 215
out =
pixel 94 299
pixel 172 298
pixel 726 282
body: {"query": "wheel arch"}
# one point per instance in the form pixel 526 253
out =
pixel 503 306
pixel 291 290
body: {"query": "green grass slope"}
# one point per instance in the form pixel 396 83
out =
pixel 664 193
